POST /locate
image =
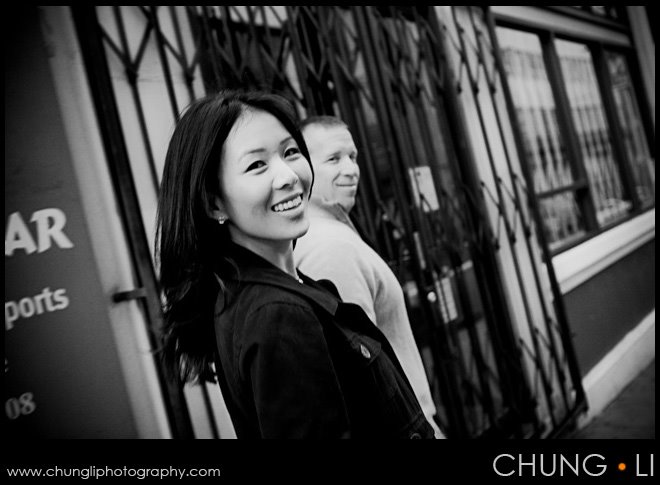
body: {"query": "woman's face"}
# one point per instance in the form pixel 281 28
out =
pixel 264 183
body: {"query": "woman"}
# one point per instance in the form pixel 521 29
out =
pixel 292 360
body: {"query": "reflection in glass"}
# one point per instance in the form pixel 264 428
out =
pixel 544 146
pixel 562 219
pixel 593 132
pixel 634 138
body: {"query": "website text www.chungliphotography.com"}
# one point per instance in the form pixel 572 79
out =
pixel 98 472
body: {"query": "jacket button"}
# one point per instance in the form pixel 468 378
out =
pixel 365 351
pixel 415 436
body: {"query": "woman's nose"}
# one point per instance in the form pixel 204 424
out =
pixel 285 175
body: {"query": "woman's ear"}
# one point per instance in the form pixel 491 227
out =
pixel 216 209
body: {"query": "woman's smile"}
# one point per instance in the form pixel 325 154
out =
pixel 289 204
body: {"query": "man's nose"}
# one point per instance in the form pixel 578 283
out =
pixel 349 167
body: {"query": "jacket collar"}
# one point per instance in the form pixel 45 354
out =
pixel 252 268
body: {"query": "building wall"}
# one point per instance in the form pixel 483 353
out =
pixel 605 308
pixel 606 300
pixel 63 376
pixel 110 255
pixel 607 282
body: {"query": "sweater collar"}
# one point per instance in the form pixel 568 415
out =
pixel 331 211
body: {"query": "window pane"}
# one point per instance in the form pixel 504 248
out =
pixel 634 138
pixel 562 219
pixel 544 146
pixel 593 132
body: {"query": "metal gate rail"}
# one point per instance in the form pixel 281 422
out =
pixel 422 203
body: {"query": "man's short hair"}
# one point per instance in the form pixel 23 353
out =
pixel 325 121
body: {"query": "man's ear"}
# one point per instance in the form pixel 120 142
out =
pixel 216 209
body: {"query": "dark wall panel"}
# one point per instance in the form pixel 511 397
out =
pixel 602 310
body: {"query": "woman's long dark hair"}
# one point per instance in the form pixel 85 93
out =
pixel 189 244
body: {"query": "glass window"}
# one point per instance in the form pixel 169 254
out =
pixel 584 178
pixel 545 149
pixel 593 132
pixel 634 139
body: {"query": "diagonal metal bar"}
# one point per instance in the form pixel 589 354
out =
pixel 93 52
pixel 499 199
pixel 560 313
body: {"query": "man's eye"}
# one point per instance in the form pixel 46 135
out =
pixel 255 165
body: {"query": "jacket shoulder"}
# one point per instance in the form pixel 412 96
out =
pixel 259 298
pixel 257 295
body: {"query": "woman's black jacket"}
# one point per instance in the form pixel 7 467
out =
pixel 294 361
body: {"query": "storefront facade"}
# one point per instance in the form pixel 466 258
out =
pixel 489 176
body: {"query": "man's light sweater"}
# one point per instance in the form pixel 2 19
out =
pixel 332 250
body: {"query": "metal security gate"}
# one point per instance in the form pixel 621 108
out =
pixel 388 72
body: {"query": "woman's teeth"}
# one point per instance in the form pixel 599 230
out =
pixel 291 204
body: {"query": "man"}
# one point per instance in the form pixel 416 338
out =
pixel 333 250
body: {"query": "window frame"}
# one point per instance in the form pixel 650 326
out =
pixel 599 37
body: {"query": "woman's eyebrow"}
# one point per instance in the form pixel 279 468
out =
pixel 286 140
pixel 252 151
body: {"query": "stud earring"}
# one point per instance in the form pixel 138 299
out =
pixel 222 219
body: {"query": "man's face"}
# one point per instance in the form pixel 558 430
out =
pixel 336 172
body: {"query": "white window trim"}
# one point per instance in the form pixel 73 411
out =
pixel 576 265
pixel 560 24
pixel 634 352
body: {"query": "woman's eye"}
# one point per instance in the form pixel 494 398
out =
pixel 255 165
pixel 291 152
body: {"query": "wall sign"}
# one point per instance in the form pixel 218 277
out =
pixel 62 376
